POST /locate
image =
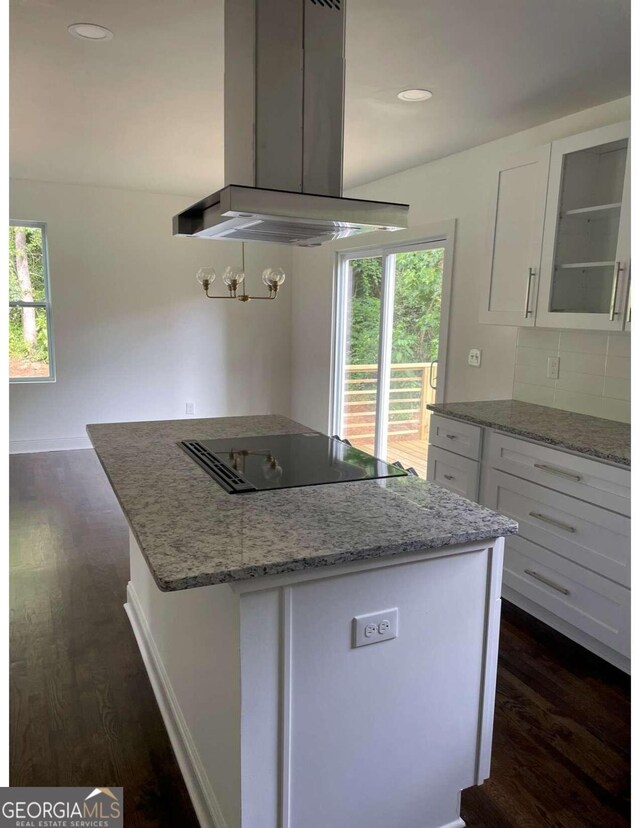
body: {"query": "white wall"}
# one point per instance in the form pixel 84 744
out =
pixel 134 336
pixel 457 187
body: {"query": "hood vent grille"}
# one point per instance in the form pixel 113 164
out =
pixel 329 4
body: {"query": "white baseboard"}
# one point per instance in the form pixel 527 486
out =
pixel 48 444
pixel 202 796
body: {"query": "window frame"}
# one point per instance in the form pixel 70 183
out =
pixel 46 304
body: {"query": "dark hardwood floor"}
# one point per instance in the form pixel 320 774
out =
pixel 83 712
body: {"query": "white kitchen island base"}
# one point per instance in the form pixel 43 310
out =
pixel 278 721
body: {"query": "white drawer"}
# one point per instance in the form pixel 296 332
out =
pixel 459 474
pixel 599 483
pixel 584 533
pixel 588 601
pixel 454 435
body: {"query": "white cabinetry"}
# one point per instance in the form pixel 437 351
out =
pixel 586 247
pixel 560 235
pixel 570 563
pixel 517 221
pixel 454 453
pixel 277 719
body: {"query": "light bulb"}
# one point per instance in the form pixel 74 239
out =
pixel 271 469
pixel 273 277
pixel 232 277
pixel 206 276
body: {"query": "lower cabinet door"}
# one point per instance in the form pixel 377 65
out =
pixel 595 605
pixel 453 472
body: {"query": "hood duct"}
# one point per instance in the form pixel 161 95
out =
pixel 283 131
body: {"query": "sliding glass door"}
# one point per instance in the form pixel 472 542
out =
pixel 388 347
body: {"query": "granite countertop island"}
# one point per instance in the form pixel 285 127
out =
pixel 595 437
pixel 192 533
pixel 255 615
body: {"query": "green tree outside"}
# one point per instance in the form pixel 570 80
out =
pixel 416 323
pixel 27 283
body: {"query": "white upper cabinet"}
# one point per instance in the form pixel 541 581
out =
pixel 517 222
pixel 561 236
pixel 584 277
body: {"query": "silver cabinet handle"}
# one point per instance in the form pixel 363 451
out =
pixel 449 476
pixel 546 581
pixel 552 522
pixel 614 291
pixel 451 436
pixel 559 472
pixel 527 297
pixel 629 301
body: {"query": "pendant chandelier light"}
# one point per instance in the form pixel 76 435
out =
pixel 233 277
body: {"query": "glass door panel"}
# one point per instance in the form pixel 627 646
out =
pixel 364 283
pixel 415 338
pixel 584 268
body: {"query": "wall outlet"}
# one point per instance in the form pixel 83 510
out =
pixel 475 357
pixel 553 367
pixel 190 408
pixel 374 627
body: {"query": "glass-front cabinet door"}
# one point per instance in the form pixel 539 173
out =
pixel 585 270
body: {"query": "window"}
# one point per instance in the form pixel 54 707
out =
pixel 30 343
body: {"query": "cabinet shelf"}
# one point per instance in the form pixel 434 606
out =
pixel 597 211
pixel 585 265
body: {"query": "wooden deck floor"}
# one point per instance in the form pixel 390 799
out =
pixel 408 452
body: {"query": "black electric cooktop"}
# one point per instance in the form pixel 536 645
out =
pixel 284 461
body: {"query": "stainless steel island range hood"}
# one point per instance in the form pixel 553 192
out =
pixel 283 131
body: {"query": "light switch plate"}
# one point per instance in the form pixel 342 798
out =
pixel 374 627
pixel 475 357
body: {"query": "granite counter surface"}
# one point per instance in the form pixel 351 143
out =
pixel 594 437
pixel 192 533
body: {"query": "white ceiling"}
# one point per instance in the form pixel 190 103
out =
pixel 144 111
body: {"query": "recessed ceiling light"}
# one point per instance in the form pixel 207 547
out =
pixel 414 95
pixel 89 31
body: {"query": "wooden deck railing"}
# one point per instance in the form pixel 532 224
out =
pixel 409 394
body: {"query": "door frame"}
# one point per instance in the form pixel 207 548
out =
pixel 434 235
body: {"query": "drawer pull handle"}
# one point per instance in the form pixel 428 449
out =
pixel 558 523
pixel 546 581
pixel 559 472
pixel 452 436
pixel 449 477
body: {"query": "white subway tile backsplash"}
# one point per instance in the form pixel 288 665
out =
pixel 582 363
pixel 617 410
pixel 584 342
pixel 534 357
pixel 538 394
pixel 581 403
pixel 538 338
pixel 619 389
pixel 618 366
pixel 594 377
pixel 619 345
pixel 584 383
pixel 533 375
